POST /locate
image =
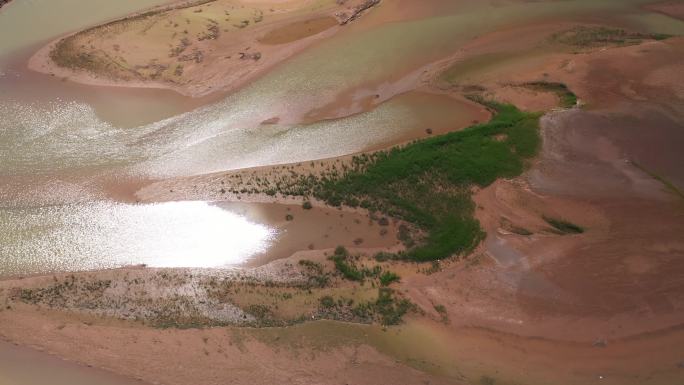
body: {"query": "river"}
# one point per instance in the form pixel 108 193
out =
pixel 68 151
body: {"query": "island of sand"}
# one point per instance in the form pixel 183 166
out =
pixel 196 47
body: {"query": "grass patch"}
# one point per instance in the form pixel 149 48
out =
pixel 344 266
pixel 387 278
pixel 567 98
pixel 391 309
pixel 564 226
pixel 317 277
pixel 388 308
pixel 598 36
pixel 327 302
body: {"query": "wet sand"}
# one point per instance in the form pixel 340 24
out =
pixel 24 366
pixel 320 228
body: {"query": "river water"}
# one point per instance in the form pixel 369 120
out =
pixel 24 366
pixel 63 145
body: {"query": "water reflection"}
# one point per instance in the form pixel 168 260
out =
pixel 105 235
pixel 44 139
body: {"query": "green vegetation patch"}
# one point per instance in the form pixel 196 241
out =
pixel 316 275
pixel 345 267
pixel 387 278
pixel 598 36
pixel 567 98
pixel 428 182
pixel 388 308
pixel 563 226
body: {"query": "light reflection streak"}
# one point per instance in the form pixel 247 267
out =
pixel 106 235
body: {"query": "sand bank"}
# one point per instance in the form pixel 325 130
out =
pixel 195 48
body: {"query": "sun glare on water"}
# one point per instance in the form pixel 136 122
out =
pixel 106 235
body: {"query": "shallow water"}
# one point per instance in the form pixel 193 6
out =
pixel 59 141
pixel 103 235
pixel 23 366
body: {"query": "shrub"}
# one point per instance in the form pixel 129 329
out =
pixel 327 302
pixel 388 277
pixel 342 265
pixel 391 310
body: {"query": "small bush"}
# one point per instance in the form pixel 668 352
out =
pixel 327 302
pixel 391 310
pixel 344 267
pixel 388 277
pixel 307 205
pixel 341 251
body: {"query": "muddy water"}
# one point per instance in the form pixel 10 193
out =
pixel 60 143
pixel 18 366
pixel 27 25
